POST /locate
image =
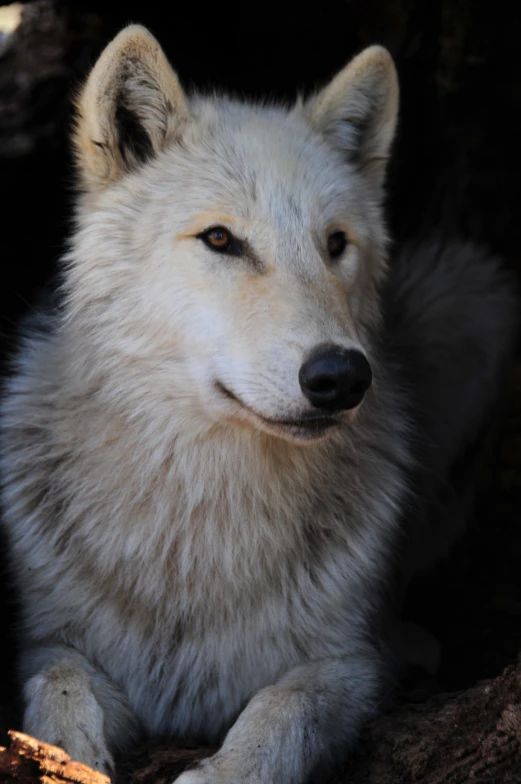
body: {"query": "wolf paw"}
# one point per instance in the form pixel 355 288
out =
pixel 207 774
pixel 62 710
pixel 212 775
pixel 194 777
pixel 87 751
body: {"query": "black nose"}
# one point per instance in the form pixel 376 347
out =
pixel 335 378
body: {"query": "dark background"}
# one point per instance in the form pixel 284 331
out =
pixel 456 170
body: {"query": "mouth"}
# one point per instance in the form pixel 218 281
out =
pixel 310 426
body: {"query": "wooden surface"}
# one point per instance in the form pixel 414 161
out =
pixel 27 761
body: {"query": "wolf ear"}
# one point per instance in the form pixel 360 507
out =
pixel 358 109
pixel 131 107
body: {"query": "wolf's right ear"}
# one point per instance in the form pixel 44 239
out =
pixel 131 107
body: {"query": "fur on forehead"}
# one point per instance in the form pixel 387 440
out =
pixel 238 144
pixel 133 107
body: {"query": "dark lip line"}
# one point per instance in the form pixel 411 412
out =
pixel 308 422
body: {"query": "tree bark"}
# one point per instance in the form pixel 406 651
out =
pixel 27 761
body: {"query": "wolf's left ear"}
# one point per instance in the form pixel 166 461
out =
pixel 358 109
pixel 131 107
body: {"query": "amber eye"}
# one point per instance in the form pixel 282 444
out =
pixel 217 238
pixel 336 244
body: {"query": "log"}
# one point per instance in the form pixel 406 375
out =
pixel 27 761
pixel 471 736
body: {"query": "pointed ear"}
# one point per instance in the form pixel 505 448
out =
pixel 358 109
pixel 131 107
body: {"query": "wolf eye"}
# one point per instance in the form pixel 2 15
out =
pixel 336 244
pixel 217 238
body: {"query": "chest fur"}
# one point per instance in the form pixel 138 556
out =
pixel 194 576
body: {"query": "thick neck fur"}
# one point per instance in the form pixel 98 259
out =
pixel 217 497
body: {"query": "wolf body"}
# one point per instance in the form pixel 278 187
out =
pixel 208 449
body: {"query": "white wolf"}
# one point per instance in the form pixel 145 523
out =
pixel 206 448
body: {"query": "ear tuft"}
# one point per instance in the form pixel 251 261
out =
pixel 132 107
pixel 357 111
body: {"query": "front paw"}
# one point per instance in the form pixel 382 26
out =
pixel 217 771
pixel 62 711
pixel 195 777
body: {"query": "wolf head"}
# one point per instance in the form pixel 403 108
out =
pixel 228 255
